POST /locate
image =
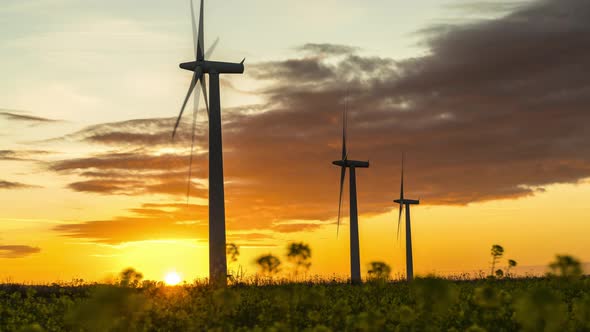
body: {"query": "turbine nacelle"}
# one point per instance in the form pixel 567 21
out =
pixel 407 201
pixel 351 163
pixel 214 67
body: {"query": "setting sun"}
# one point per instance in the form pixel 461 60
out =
pixel 172 278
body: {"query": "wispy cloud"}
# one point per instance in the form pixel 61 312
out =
pixel 328 49
pixel 21 117
pixel 148 222
pixel 15 185
pixel 21 155
pixel 17 251
pixel 157 221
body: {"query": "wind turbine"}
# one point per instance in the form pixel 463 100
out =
pixel 407 203
pixel 200 67
pixel 355 264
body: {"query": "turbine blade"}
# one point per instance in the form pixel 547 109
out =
pixel 399 219
pixel 205 95
pixel 197 95
pixel 342 176
pixel 201 47
pixel 188 94
pixel 190 164
pixel 212 48
pixel 195 32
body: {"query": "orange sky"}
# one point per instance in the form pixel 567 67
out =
pixel 495 139
pixel 446 240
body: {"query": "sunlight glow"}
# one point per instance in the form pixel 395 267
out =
pixel 172 278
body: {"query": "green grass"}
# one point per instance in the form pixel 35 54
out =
pixel 531 304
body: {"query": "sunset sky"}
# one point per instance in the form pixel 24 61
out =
pixel 488 99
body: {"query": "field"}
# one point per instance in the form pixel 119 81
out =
pixel 428 304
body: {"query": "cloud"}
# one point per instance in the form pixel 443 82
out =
pixel 15 185
pixel 306 70
pixel 487 6
pixel 140 132
pixel 297 227
pixel 157 221
pixel 249 236
pixel 135 173
pixel 498 109
pixel 14 116
pixel 17 251
pixel 154 132
pixel 328 49
pixel 151 221
pixel 23 155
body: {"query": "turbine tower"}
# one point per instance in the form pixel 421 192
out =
pixel 355 265
pixel 407 203
pixel 200 67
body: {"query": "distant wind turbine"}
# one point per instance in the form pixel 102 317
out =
pixel 200 67
pixel 355 265
pixel 406 202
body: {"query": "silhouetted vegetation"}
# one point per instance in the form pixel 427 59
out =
pixel 234 274
pixel 299 254
pixel 269 264
pixel 233 252
pixel 130 278
pixel 566 267
pixel 427 304
pixel 560 301
pixel 497 252
pixel 379 271
pixel 511 264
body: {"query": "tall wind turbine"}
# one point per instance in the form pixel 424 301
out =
pixel 407 203
pixel 355 264
pixel 200 67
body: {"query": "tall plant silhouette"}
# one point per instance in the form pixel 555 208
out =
pixel 566 266
pixel 299 254
pixel 233 252
pixel 511 264
pixel 130 277
pixel 497 252
pixel 269 264
pixel 379 271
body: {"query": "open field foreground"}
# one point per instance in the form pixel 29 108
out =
pixel 531 304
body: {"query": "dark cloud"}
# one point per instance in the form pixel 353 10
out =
pixel 129 161
pixel 496 110
pixel 17 251
pixel 14 185
pixel 155 132
pixel 495 6
pixel 328 49
pixel 306 70
pixel 142 132
pixel 135 173
pixel 14 116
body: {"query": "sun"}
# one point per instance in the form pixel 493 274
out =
pixel 172 278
